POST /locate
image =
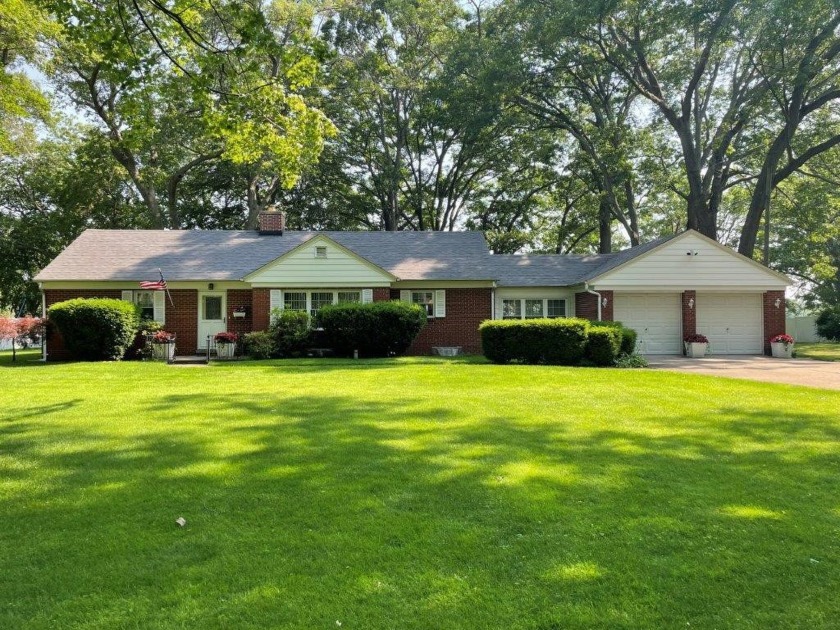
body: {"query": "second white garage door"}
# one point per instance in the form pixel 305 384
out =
pixel 732 322
pixel 656 318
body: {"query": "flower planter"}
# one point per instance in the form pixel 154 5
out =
pixel 164 351
pixel 225 350
pixel 781 350
pixel 696 350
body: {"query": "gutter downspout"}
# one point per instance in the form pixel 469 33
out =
pixel 588 290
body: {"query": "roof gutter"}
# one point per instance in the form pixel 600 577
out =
pixel 588 290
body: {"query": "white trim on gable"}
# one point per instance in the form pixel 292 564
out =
pixel 300 267
pixel 691 261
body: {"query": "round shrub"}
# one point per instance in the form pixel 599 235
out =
pixel 603 345
pixel 828 323
pixel 290 331
pixel 96 329
pixel 628 336
pixel 560 341
pixel 377 329
pixel 259 345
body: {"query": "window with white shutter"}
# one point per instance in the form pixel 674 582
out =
pixel 159 309
pixel 275 300
pixel 440 303
pixel 367 296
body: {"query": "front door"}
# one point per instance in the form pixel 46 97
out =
pixel 211 316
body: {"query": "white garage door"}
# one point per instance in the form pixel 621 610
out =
pixel 733 322
pixel 656 318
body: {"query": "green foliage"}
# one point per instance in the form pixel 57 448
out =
pixel 560 341
pixel 828 323
pixel 259 344
pixel 290 331
pixel 628 336
pixel 631 361
pixel 97 328
pixel 603 345
pixel 378 329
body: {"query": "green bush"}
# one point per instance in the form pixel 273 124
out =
pixel 631 361
pixel 378 329
pixel 828 323
pixel 628 336
pixel 96 329
pixel 259 344
pixel 603 344
pixel 553 341
pixel 290 331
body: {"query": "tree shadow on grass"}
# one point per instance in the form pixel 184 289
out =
pixel 304 510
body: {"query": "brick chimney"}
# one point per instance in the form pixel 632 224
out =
pixel 271 221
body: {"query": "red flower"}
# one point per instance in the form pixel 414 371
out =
pixel 785 339
pixel 162 336
pixel 226 337
pixel 698 338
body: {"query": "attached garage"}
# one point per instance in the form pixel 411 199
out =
pixel 733 322
pixel 656 318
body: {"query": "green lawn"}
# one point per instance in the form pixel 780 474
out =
pixel 415 493
pixel 819 351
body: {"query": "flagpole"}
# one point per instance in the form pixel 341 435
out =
pixel 162 279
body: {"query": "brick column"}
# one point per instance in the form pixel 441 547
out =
pixel 381 294
pixel 238 299
pixel 260 303
pixel 689 313
pixel 586 306
pixel 182 319
pixel 774 318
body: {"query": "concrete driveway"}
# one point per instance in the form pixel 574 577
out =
pixel 824 374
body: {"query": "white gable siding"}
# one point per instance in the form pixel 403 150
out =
pixel 302 268
pixel 671 267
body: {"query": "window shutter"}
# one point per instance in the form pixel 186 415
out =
pixel 440 303
pixel 405 296
pixel 367 296
pixel 127 296
pixel 275 300
pixel 160 307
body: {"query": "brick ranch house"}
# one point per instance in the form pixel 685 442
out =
pixel 231 280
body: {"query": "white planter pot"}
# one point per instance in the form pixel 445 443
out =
pixel 225 350
pixel 164 351
pixel 781 350
pixel 696 350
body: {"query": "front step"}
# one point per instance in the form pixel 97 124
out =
pixel 194 359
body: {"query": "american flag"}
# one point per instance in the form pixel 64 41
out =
pixel 157 285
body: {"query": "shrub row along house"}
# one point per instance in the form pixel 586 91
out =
pixel 231 280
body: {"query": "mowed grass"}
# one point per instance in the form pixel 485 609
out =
pixel 414 493
pixel 818 351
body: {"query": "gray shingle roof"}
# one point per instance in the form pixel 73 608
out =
pixel 135 255
pixel 546 270
pixel 233 254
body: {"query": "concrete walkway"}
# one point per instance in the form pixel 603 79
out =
pixel 823 374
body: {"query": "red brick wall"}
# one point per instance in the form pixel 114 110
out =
pixel 465 310
pixel 382 294
pixel 689 313
pixel 774 318
pixel 55 344
pixel 239 298
pixel 182 319
pixel 586 306
pixel 260 303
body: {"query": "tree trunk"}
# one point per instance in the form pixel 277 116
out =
pixel 604 226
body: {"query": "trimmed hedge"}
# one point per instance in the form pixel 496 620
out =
pixel 561 341
pixel 603 345
pixel 628 336
pixel 96 329
pixel 259 344
pixel 377 329
pixel 290 331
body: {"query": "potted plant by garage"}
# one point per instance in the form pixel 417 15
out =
pixel 781 346
pixel 163 345
pixel 226 344
pixel 696 346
